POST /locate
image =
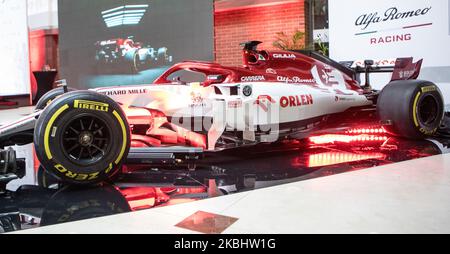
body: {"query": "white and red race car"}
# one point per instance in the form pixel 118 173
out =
pixel 84 137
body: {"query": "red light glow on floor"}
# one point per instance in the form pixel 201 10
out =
pixel 333 158
pixel 333 138
pixel 366 131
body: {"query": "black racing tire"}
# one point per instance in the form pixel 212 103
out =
pixel 137 65
pixel 411 108
pixel 73 203
pixel 163 58
pixel 47 98
pixel 82 137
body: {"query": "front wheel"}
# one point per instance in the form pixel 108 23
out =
pixel 82 138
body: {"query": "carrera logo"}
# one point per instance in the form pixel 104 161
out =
pixel 253 78
pixel 296 101
pixel 91 105
pixel 284 56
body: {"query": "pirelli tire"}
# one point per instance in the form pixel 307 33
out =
pixel 82 137
pixel 47 98
pixel 411 108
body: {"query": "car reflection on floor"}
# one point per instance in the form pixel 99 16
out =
pixel 233 171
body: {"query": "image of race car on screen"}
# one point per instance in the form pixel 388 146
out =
pixel 131 55
pixel 124 43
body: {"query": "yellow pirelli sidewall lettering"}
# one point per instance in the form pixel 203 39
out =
pixel 48 129
pixel 416 101
pixel 60 168
pixel 428 89
pixel 93 176
pixel 91 105
pixel 124 137
pixel 76 176
pixel 110 167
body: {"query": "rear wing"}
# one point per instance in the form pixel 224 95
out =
pixel 401 68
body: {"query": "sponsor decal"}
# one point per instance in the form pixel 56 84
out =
pixel 339 98
pixel 247 91
pixel 296 101
pixel 264 102
pixel 428 132
pixel 124 92
pixel 284 56
pixel 330 80
pixel 197 100
pixel 295 80
pixel 378 63
pixel 235 104
pixel 261 58
pixel 271 71
pixel 75 176
pixel 91 105
pixel 252 78
pixel 108 42
pixel 390 39
pixel 327 76
pixel 428 89
pixel 406 74
pixel 391 14
pixel 137 91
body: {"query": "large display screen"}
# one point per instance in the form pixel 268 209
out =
pixel 129 42
pixel 14 61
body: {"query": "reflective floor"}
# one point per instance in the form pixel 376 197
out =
pixel 225 173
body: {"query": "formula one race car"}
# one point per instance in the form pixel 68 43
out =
pixel 84 137
pixel 131 54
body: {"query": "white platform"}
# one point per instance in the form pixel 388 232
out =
pixel 408 197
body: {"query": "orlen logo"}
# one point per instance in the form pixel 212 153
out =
pixel 91 105
pixel 284 56
pixel 253 78
pixel 296 101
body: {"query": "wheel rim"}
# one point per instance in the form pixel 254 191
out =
pixel 86 140
pixel 428 110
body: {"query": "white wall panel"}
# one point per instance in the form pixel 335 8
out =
pixel 14 61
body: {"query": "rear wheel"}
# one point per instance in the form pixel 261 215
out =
pixel 411 109
pixel 82 138
pixel 137 64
